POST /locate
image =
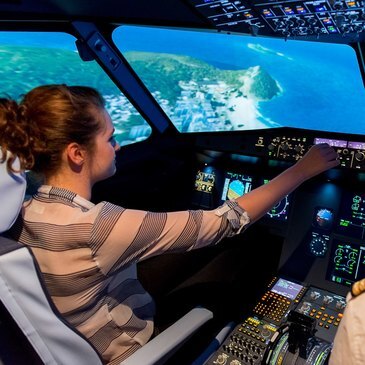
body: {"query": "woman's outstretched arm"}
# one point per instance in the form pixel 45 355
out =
pixel 257 202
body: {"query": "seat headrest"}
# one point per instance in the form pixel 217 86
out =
pixel 12 192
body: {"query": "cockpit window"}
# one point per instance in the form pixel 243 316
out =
pixel 209 81
pixel 30 59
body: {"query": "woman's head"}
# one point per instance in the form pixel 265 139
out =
pixel 51 118
pixel 59 115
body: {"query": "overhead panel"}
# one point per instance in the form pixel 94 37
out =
pixel 332 20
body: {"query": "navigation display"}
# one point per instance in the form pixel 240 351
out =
pixel 347 263
pixel 351 221
pixel 280 210
pixel 235 185
pixel 287 288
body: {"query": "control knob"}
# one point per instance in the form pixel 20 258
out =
pixel 305 308
pixel 315 295
pixel 340 19
pixel 265 333
pixel 358 28
pixel 353 16
pixel 359 156
pixel 327 300
pixel 337 5
pixel 340 304
pixel 346 28
pixel 299 148
pixel 221 359
pixel 312 21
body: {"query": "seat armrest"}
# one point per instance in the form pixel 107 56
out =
pixel 170 339
pixel 215 344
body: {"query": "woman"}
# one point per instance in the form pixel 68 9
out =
pixel 88 253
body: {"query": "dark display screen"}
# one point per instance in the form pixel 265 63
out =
pixel 280 210
pixel 351 220
pixel 286 288
pixel 235 185
pixel 347 262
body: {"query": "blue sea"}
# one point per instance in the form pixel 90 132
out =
pixel 321 83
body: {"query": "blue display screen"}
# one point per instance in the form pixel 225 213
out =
pixel 235 185
pixel 206 81
pixel 31 59
pixel 286 288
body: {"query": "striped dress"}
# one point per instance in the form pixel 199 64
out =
pixel 88 254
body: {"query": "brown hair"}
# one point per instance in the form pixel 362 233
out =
pixel 14 136
pixel 56 115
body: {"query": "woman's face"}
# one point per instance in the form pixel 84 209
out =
pixel 102 161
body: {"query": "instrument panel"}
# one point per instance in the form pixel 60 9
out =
pixel 291 324
pixel 319 18
pixel 322 225
pixel 289 144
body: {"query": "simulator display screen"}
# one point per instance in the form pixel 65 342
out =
pixel 204 181
pixel 206 81
pixel 347 263
pixel 280 210
pixel 323 218
pixel 52 58
pixel 351 221
pixel 235 185
pixel 286 288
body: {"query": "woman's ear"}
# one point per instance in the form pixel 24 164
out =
pixel 76 154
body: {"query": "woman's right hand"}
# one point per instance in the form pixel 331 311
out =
pixel 318 158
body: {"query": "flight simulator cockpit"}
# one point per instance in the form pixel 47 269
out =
pixel 207 113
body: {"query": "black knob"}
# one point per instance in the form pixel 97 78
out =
pixel 359 156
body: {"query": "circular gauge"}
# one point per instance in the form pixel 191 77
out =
pixel 280 209
pixel 318 246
